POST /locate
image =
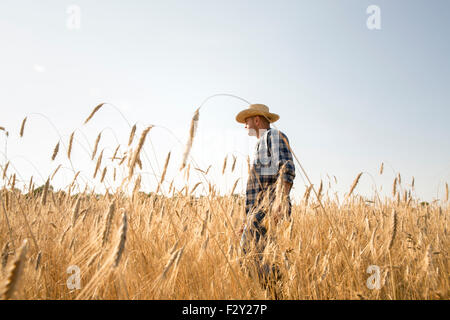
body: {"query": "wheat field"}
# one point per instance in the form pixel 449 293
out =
pixel 177 246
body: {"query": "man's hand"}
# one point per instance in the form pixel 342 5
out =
pixel 279 210
pixel 241 230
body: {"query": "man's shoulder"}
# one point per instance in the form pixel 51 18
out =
pixel 280 133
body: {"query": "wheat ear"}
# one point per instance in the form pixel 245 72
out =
pixel 138 150
pixel 192 130
pixel 55 151
pixel 99 161
pixel 122 237
pixel 130 139
pixel 45 192
pixel 93 112
pixel 5 169
pixel 164 172
pixel 96 145
pixel 22 127
pixel 103 175
pixel 14 272
pixel 69 150
pixel 446 192
pixel 394 224
pixel 235 185
pixel 224 164
pixel 108 222
pixel 76 211
pixel 355 183
pixel 394 187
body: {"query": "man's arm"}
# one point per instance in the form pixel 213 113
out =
pixel 287 174
pixel 287 168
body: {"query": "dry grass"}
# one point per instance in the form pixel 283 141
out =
pixel 157 227
pixel 177 246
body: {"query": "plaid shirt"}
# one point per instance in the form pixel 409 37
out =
pixel 272 158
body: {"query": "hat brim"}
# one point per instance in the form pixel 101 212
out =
pixel 244 114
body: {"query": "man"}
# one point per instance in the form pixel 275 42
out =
pixel 271 176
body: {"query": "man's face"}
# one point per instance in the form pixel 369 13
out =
pixel 251 127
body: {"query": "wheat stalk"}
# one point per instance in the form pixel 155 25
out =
pixel 14 272
pixel 195 187
pixel 99 161
pixel 164 172
pixel 69 150
pixel 224 164
pixel 235 185
pixel 76 211
pixel 13 184
pixel 5 169
pixel 319 193
pixel 5 255
pixel 115 153
pixel 192 130
pixel 93 112
pixel 446 192
pixel 108 222
pixel 122 161
pixel 22 127
pixel 38 260
pixel 130 139
pixel 170 186
pixel 122 238
pixel 31 184
pixel 54 172
pixel 137 185
pixel 394 224
pixel 234 163
pixel 174 257
pixel 394 187
pixel 354 184
pixel 139 162
pixel 103 174
pixel 96 145
pixel 381 168
pixel 307 194
pixel 138 150
pixel 55 151
pixel 74 179
pixel 45 192
pixel 427 262
pixel 169 264
pixel 180 253
pixel 372 241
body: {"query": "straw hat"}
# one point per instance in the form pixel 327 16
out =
pixel 256 110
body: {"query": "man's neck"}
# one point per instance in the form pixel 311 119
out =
pixel 261 131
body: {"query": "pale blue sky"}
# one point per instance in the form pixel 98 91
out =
pixel 349 97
